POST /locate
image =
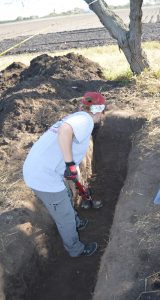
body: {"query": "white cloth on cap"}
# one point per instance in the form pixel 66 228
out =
pixel 97 108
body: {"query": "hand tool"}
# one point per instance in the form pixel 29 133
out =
pixel 85 193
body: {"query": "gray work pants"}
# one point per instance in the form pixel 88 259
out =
pixel 60 207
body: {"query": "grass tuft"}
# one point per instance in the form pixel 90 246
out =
pixel 149 82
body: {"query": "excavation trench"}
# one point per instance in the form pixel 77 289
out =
pixel 62 277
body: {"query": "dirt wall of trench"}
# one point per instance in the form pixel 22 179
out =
pixel 132 253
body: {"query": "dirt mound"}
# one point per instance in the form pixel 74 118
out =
pixel 14 66
pixel 10 75
pixel 37 95
pixel 68 66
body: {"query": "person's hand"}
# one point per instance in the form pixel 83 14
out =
pixel 70 171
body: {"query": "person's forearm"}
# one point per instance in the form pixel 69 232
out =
pixel 65 136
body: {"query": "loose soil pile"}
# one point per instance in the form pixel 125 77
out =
pixel 34 264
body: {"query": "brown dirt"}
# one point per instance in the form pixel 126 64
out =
pixel 34 264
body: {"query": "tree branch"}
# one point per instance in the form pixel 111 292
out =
pixel 129 40
pixel 110 20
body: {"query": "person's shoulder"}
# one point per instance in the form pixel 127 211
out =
pixel 80 118
pixel 81 113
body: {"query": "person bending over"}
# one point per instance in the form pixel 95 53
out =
pixel 53 159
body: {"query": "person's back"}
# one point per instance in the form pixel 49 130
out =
pixel 44 166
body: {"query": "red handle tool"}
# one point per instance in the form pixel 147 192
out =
pixel 84 193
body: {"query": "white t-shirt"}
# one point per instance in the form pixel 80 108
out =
pixel 44 166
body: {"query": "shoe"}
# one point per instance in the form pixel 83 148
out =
pixel 89 249
pixel 86 204
pixel 97 204
pixel 82 225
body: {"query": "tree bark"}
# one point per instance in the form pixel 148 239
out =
pixel 128 39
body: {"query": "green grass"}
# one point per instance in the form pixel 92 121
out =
pixel 157 74
pixel 110 58
pixel 114 63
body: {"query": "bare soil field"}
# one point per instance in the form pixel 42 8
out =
pixel 75 39
pixel 69 23
pixel 68 32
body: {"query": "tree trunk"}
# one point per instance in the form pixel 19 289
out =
pixel 128 39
